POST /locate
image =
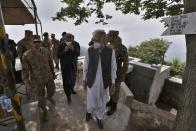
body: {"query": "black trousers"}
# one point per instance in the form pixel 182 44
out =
pixel 67 89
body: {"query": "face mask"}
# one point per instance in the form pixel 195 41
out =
pixel 68 43
pixel 97 45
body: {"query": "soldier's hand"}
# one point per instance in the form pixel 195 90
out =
pixel 71 47
pixel 113 89
pixel 84 84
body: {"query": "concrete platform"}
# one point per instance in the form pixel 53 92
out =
pixel 64 117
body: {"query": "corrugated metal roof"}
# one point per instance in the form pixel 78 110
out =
pixel 17 12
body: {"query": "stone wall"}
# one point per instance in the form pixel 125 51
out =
pixel 148 118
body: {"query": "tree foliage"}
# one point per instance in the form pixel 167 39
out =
pixel 151 51
pixel 82 10
pixel 177 67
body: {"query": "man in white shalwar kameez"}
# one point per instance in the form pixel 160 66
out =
pixel 98 73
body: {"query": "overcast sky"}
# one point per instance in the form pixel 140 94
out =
pixel 133 30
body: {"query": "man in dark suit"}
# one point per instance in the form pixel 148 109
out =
pixel 77 54
pixel 67 52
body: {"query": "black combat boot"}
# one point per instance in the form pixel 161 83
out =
pixel 109 103
pixel 112 109
pixel 69 99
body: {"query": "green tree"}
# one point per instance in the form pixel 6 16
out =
pixel 151 51
pixel 81 12
pixel 133 51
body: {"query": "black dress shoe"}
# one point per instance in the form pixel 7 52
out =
pixel 73 92
pixel 69 100
pixel 109 103
pixel 88 117
pixel 100 123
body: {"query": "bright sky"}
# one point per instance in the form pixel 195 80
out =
pixel 133 30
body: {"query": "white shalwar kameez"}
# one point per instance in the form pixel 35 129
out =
pixel 97 95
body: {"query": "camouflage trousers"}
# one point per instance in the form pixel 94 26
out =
pixel 39 89
pixel 115 96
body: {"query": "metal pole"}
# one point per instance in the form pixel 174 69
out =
pixel 35 15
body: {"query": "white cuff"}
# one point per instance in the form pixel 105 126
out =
pixel 113 81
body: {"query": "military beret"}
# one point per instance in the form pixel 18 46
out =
pixel 64 33
pixel 28 32
pixel 113 32
pixel 36 38
pixel 45 34
pixel 99 31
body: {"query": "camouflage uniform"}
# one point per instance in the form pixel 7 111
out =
pixel 24 45
pixel 47 43
pixel 122 66
pixel 55 46
pixel 38 66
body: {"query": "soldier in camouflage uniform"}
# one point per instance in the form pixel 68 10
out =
pixel 38 73
pixel 55 46
pixel 25 44
pixel 122 66
pixel 46 42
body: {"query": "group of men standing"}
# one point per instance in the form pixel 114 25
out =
pixel 105 67
pixel 37 65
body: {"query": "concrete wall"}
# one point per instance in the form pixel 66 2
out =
pixel 146 81
pixel 125 96
pixel 140 80
pixel 172 92
pixel 161 75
